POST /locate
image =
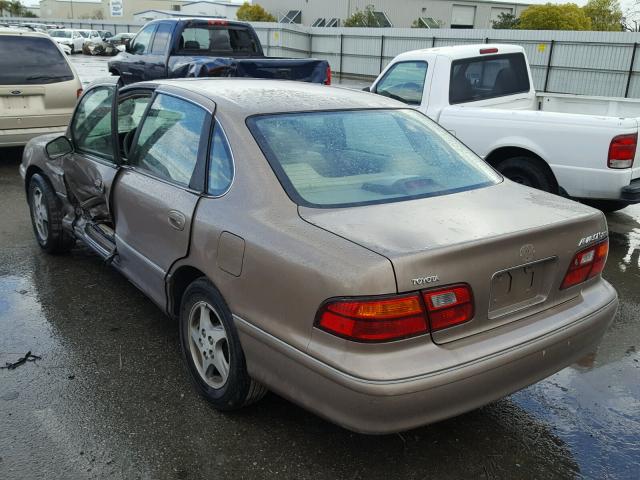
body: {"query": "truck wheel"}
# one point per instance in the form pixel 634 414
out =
pixel 212 351
pixel 46 217
pixel 527 171
pixel 607 206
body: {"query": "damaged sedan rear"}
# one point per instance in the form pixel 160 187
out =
pixel 332 246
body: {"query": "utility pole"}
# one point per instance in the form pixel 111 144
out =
pixel 71 2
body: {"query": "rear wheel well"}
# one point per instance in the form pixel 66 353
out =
pixel 496 157
pixel 180 280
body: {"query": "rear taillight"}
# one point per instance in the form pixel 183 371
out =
pixel 327 80
pixel 586 264
pixel 383 319
pixel 622 151
pixel 396 317
pixel 448 306
pixel 484 51
pixel 79 92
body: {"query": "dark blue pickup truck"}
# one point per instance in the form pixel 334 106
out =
pixel 200 47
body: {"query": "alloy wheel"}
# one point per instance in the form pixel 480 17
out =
pixel 209 344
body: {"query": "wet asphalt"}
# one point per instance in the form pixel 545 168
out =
pixel 109 397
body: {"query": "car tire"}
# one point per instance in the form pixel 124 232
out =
pixel 527 171
pixel 607 206
pixel 46 217
pixel 212 351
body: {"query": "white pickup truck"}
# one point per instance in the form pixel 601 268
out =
pixel 574 145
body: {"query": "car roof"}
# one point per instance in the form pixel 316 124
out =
pixel 460 51
pixel 247 96
pixel 22 32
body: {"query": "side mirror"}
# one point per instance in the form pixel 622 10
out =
pixel 366 89
pixel 58 147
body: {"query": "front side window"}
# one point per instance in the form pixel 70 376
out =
pixel 404 81
pixel 169 138
pixel 220 163
pixel 91 129
pixel 31 61
pixel 492 76
pixel 359 157
pixel 141 43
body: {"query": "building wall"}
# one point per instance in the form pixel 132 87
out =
pixel 101 8
pixel 401 13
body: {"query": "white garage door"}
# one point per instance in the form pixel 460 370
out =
pixel 496 11
pixel 463 15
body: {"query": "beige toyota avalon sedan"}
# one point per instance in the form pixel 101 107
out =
pixel 330 245
pixel 38 87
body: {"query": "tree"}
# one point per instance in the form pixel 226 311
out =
pixel 4 6
pixel 567 16
pixel 254 13
pixel 506 21
pixel 15 8
pixel 605 15
pixel 362 18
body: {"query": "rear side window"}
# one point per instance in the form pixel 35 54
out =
pixel 360 157
pixel 168 142
pixel 31 61
pixel 161 38
pixel 492 76
pixel 205 39
pixel 404 81
pixel 220 163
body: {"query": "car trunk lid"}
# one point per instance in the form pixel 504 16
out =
pixel 30 106
pixel 511 245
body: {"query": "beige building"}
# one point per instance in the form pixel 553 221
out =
pixel 130 10
pixel 394 13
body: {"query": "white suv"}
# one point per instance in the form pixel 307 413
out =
pixel 38 87
pixel 68 37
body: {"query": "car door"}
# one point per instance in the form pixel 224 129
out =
pixel 156 60
pixel 78 41
pixel 134 68
pixel 156 194
pixel 89 171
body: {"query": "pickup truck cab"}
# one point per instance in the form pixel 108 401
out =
pixel 200 47
pixel 580 146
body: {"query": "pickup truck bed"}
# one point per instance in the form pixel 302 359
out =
pixel 179 48
pixel 583 147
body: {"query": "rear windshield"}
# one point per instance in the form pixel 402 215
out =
pixel 31 61
pixel 359 157
pixel 203 39
pixel 60 33
pixel 492 76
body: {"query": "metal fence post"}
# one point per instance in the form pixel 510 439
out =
pixel 433 42
pixel 381 52
pixel 486 39
pixel 633 58
pixel 546 78
pixel 341 42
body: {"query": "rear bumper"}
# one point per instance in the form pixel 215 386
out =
pixel 631 193
pixel 391 406
pixel 19 137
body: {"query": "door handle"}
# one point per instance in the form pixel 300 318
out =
pixel 177 220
